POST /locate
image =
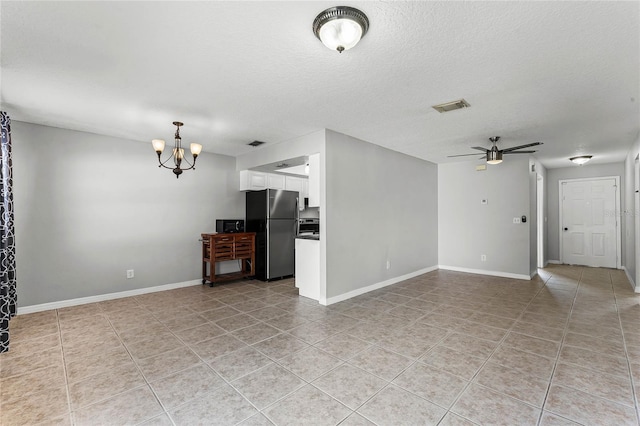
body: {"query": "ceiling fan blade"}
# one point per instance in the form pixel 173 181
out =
pixel 521 146
pixel 519 152
pixel 463 155
pixel 480 148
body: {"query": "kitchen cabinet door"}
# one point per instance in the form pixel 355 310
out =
pixel 251 180
pixel 293 184
pixel 275 181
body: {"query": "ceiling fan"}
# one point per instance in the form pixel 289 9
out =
pixel 494 155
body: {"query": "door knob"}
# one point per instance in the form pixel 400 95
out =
pixel 566 229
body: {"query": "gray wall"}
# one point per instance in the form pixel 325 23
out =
pixel 467 229
pixel 89 207
pixel 575 172
pixel 629 218
pixel 380 205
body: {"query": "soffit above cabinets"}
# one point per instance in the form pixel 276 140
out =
pixel 292 166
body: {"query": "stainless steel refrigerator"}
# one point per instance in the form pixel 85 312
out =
pixel 273 215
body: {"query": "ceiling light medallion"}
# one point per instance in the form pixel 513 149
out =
pixel 341 27
pixel 581 159
pixel 178 152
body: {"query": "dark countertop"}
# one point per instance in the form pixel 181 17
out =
pixel 315 237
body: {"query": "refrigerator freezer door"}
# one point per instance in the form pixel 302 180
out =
pixel 281 241
pixel 282 204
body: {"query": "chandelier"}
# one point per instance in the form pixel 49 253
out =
pixel 177 154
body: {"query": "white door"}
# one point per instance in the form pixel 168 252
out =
pixel 589 223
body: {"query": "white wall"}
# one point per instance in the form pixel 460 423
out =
pixel 575 172
pixel 89 207
pixel 629 260
pixel 380 205
pixel 467 229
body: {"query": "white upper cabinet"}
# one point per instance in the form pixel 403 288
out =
pixel 251 180
pixel 292 183
pixel 275 181
pixel 314 180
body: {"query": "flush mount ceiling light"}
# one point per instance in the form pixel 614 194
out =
pixel 580 159
pixel 178 152
pixel 341 27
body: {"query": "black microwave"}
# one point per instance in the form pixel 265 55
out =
pixel 225 226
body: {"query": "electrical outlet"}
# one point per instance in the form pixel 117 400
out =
pixel 130 273
pixel 483 257
pixel 517 220
pixel 388 264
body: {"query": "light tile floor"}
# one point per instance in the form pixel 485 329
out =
pixel 443 348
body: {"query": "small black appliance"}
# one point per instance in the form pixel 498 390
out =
pixel 226 226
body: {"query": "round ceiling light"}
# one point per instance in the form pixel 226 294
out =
pixel 580 159
pixel 341 27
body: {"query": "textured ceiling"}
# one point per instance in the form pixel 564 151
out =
pixel 563 73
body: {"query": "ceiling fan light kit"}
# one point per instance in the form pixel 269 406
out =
pixel 494 156
pixel 340 28
pixel 581 159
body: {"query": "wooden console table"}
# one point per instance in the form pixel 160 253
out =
pixel 224 247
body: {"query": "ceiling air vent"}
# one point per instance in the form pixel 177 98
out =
pixel 450 106
pixel 256 143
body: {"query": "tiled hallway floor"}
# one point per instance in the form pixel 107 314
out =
pixel 443 348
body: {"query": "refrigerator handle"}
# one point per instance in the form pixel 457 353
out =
pixel 297 225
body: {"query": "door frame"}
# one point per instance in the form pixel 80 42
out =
pixel 540 210
pixel 616 213
pixel 636 214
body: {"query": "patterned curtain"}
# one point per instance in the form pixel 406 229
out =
pixel 7 236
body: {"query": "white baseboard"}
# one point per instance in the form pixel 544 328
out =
pixel 554 262
pixel 363 290
pixel 484 272
pixel 635 287
pixel 103 297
